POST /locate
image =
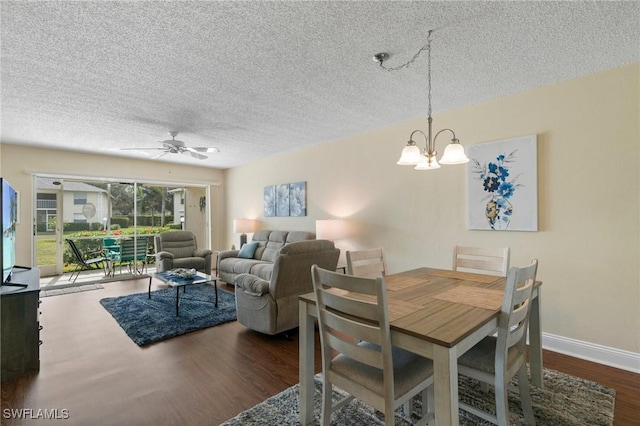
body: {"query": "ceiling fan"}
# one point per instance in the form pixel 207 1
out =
pixel 175 146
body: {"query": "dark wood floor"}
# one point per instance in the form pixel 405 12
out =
pixel 91 368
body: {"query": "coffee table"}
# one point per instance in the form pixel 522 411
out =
pixel 176 281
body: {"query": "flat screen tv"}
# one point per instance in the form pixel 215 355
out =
pixel 9 200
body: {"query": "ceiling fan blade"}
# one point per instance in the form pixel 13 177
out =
pixel 140 149
pixel 202 149
pixel 162 154
pixel 195 154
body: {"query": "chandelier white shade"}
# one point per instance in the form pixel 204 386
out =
pixel 410 156
pixel 427 163
pixel 454 154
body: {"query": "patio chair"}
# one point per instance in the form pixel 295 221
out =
pixel 131 252
pixel 84 262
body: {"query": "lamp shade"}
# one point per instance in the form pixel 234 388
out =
pixel 329 229
pixel 242 226
pixel 454 154
pixel 424 163
pixel 410 156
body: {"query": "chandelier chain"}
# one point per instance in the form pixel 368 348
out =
pixel 429 72
pixel 407 64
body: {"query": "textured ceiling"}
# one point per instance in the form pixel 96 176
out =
pixel 259 78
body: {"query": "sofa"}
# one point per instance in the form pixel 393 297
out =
pixel 179 249
pixel 260 263
pixel 267 295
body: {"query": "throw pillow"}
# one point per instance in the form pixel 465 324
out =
pixel 248 250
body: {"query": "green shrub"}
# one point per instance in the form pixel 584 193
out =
pixel 122 221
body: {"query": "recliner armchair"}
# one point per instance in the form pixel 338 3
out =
pixel 179 249
pixel 271 306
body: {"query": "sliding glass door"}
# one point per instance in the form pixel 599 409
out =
pixel 98 216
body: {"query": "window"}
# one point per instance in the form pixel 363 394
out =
pixel 79 218
pixel 80 198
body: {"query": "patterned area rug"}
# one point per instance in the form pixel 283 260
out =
pixel 565 400
pixel 148 321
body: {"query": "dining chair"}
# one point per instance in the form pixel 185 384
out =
pixel 481 260
pixel 495 360
pixel 354 309
pixel 366 263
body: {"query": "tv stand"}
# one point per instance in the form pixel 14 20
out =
pixel 9 283
pixel 12 284
pixel 20 339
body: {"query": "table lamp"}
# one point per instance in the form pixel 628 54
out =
pixel 330 229
pixel 243 226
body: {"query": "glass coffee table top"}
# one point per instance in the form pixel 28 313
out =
pixel 173 279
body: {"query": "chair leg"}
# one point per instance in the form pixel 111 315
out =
pixel 326 402
pixel 406 407
pixel 428 404
pixel 73 272
pixel 525 395
pixel 502 402
pixel 389 415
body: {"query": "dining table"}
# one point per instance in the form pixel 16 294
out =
pixel 435 313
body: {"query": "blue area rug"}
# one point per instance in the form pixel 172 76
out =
pixel 150 320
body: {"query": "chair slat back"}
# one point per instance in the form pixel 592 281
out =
pixel 129 250
pixel 350 310
pixel 516 306
pixel 366 263
pixel 483 260
pixel 76 252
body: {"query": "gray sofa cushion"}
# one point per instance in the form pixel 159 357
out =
pixel 238 265
pixel 294 236
pixel 260 237
pixel 262 270
pixel 276 241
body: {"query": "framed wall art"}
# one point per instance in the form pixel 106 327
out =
pixel 285 199
pixel 269 198
pixel 502 185
pixel 298 199
pixel 282 199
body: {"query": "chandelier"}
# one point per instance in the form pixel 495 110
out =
pixel 411 154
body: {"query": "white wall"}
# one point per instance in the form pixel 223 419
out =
pixel 588 195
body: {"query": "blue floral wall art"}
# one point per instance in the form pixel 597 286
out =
pixel 282 199
pixel 269 201
pixel 503 185
pixel 298 199
pixel 285 199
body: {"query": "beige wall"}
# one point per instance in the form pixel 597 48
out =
pixel 18 163
pixel 588 185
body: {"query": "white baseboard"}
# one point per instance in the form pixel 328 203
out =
pixel 617 358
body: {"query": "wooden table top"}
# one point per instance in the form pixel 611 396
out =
pixel 440 306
